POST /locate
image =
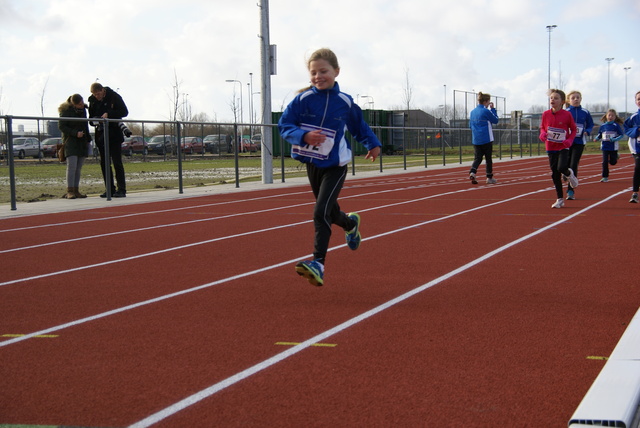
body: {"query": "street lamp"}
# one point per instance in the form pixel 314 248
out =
pixel 549 30
pixel 373 107
pixel 445 103
pixel 237 81
pixel 626 112
pixel 608 74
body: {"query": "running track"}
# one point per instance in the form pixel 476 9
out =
pixel 465 305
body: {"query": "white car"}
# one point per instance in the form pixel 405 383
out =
pixel 27 146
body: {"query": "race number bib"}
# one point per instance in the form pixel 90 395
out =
pixel 608 135
pixel 579 130
pixel 317 152
pixel 556 135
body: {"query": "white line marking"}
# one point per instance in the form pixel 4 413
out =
pixel 207 392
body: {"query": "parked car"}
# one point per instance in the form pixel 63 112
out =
pixel 26 146
pixel 162 144
pixel 191 145
pixel 216 144
pixel 49 146
pixel 248 146
pixel 135 144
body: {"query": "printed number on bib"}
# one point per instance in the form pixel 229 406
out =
pixel 580 130
pixel 317 152
pixel 608 135
pixel 556 135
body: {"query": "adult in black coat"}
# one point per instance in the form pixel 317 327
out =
pixel 106 103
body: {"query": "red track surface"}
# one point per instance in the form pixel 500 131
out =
pixel 500 301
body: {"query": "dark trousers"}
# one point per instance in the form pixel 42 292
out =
pixel 609 157
pixel 575 153
pixel 559 163
pixel 483 151
pixel 326 184
pixel 636 173
pixel 115 153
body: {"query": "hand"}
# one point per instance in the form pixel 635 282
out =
pixel 80 134
pixel 373 154
pixel 314 138
pixel 543 136
pixel 105 115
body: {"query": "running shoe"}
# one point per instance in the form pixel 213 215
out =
pixel 634 198
pixel 604 179
pixel 491 180
pixel 558 204
pixel 353 236
pixel 472 177
pixel 312 271
pixel 573 180
pixel 570 195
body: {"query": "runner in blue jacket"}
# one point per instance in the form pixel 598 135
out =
pixel 584 124
pixel 632 130
pixel 314 124
pixel 480 121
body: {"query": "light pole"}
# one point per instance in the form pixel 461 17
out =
pixel 608 74
pixel 373 106
pixel 549 30
pixel 445 103
pixel 626 112
pixel 237 81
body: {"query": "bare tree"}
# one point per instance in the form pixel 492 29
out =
pixel 407 90
pixel 44 90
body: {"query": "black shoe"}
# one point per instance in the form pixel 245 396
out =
pixel 120 194
pixel 104 195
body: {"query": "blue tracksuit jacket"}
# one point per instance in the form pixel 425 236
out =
pixel 632 130
pixel 334 112
pixel 480 121
pixel 584 123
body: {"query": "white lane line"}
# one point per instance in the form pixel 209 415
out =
pixel 213 389
pixel 193 244
pixel 221 281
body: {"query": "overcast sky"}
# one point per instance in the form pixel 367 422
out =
pixel 60 47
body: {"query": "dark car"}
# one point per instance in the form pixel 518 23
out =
pixel 135 144
pixel 26 146
pixel 191 145
pixel 217 144
pixel 162 144
pixel 50 145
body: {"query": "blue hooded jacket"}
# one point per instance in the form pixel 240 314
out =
pixel 333 112
pixel 584 123
pixel 480 121
pixel 632 130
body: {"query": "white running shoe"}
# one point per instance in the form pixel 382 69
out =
pixel 558 204
pixel 573 180
pixel 472 177
pixel 604 180
pixel 491 180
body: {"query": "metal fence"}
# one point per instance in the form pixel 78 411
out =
pixel 403 147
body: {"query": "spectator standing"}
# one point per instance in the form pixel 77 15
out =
pixel 75 138
pixel 105 103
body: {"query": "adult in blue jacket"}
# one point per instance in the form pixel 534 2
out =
pixel 480 122
pixel 314 124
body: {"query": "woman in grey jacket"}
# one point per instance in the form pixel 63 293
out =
pixel 75 137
